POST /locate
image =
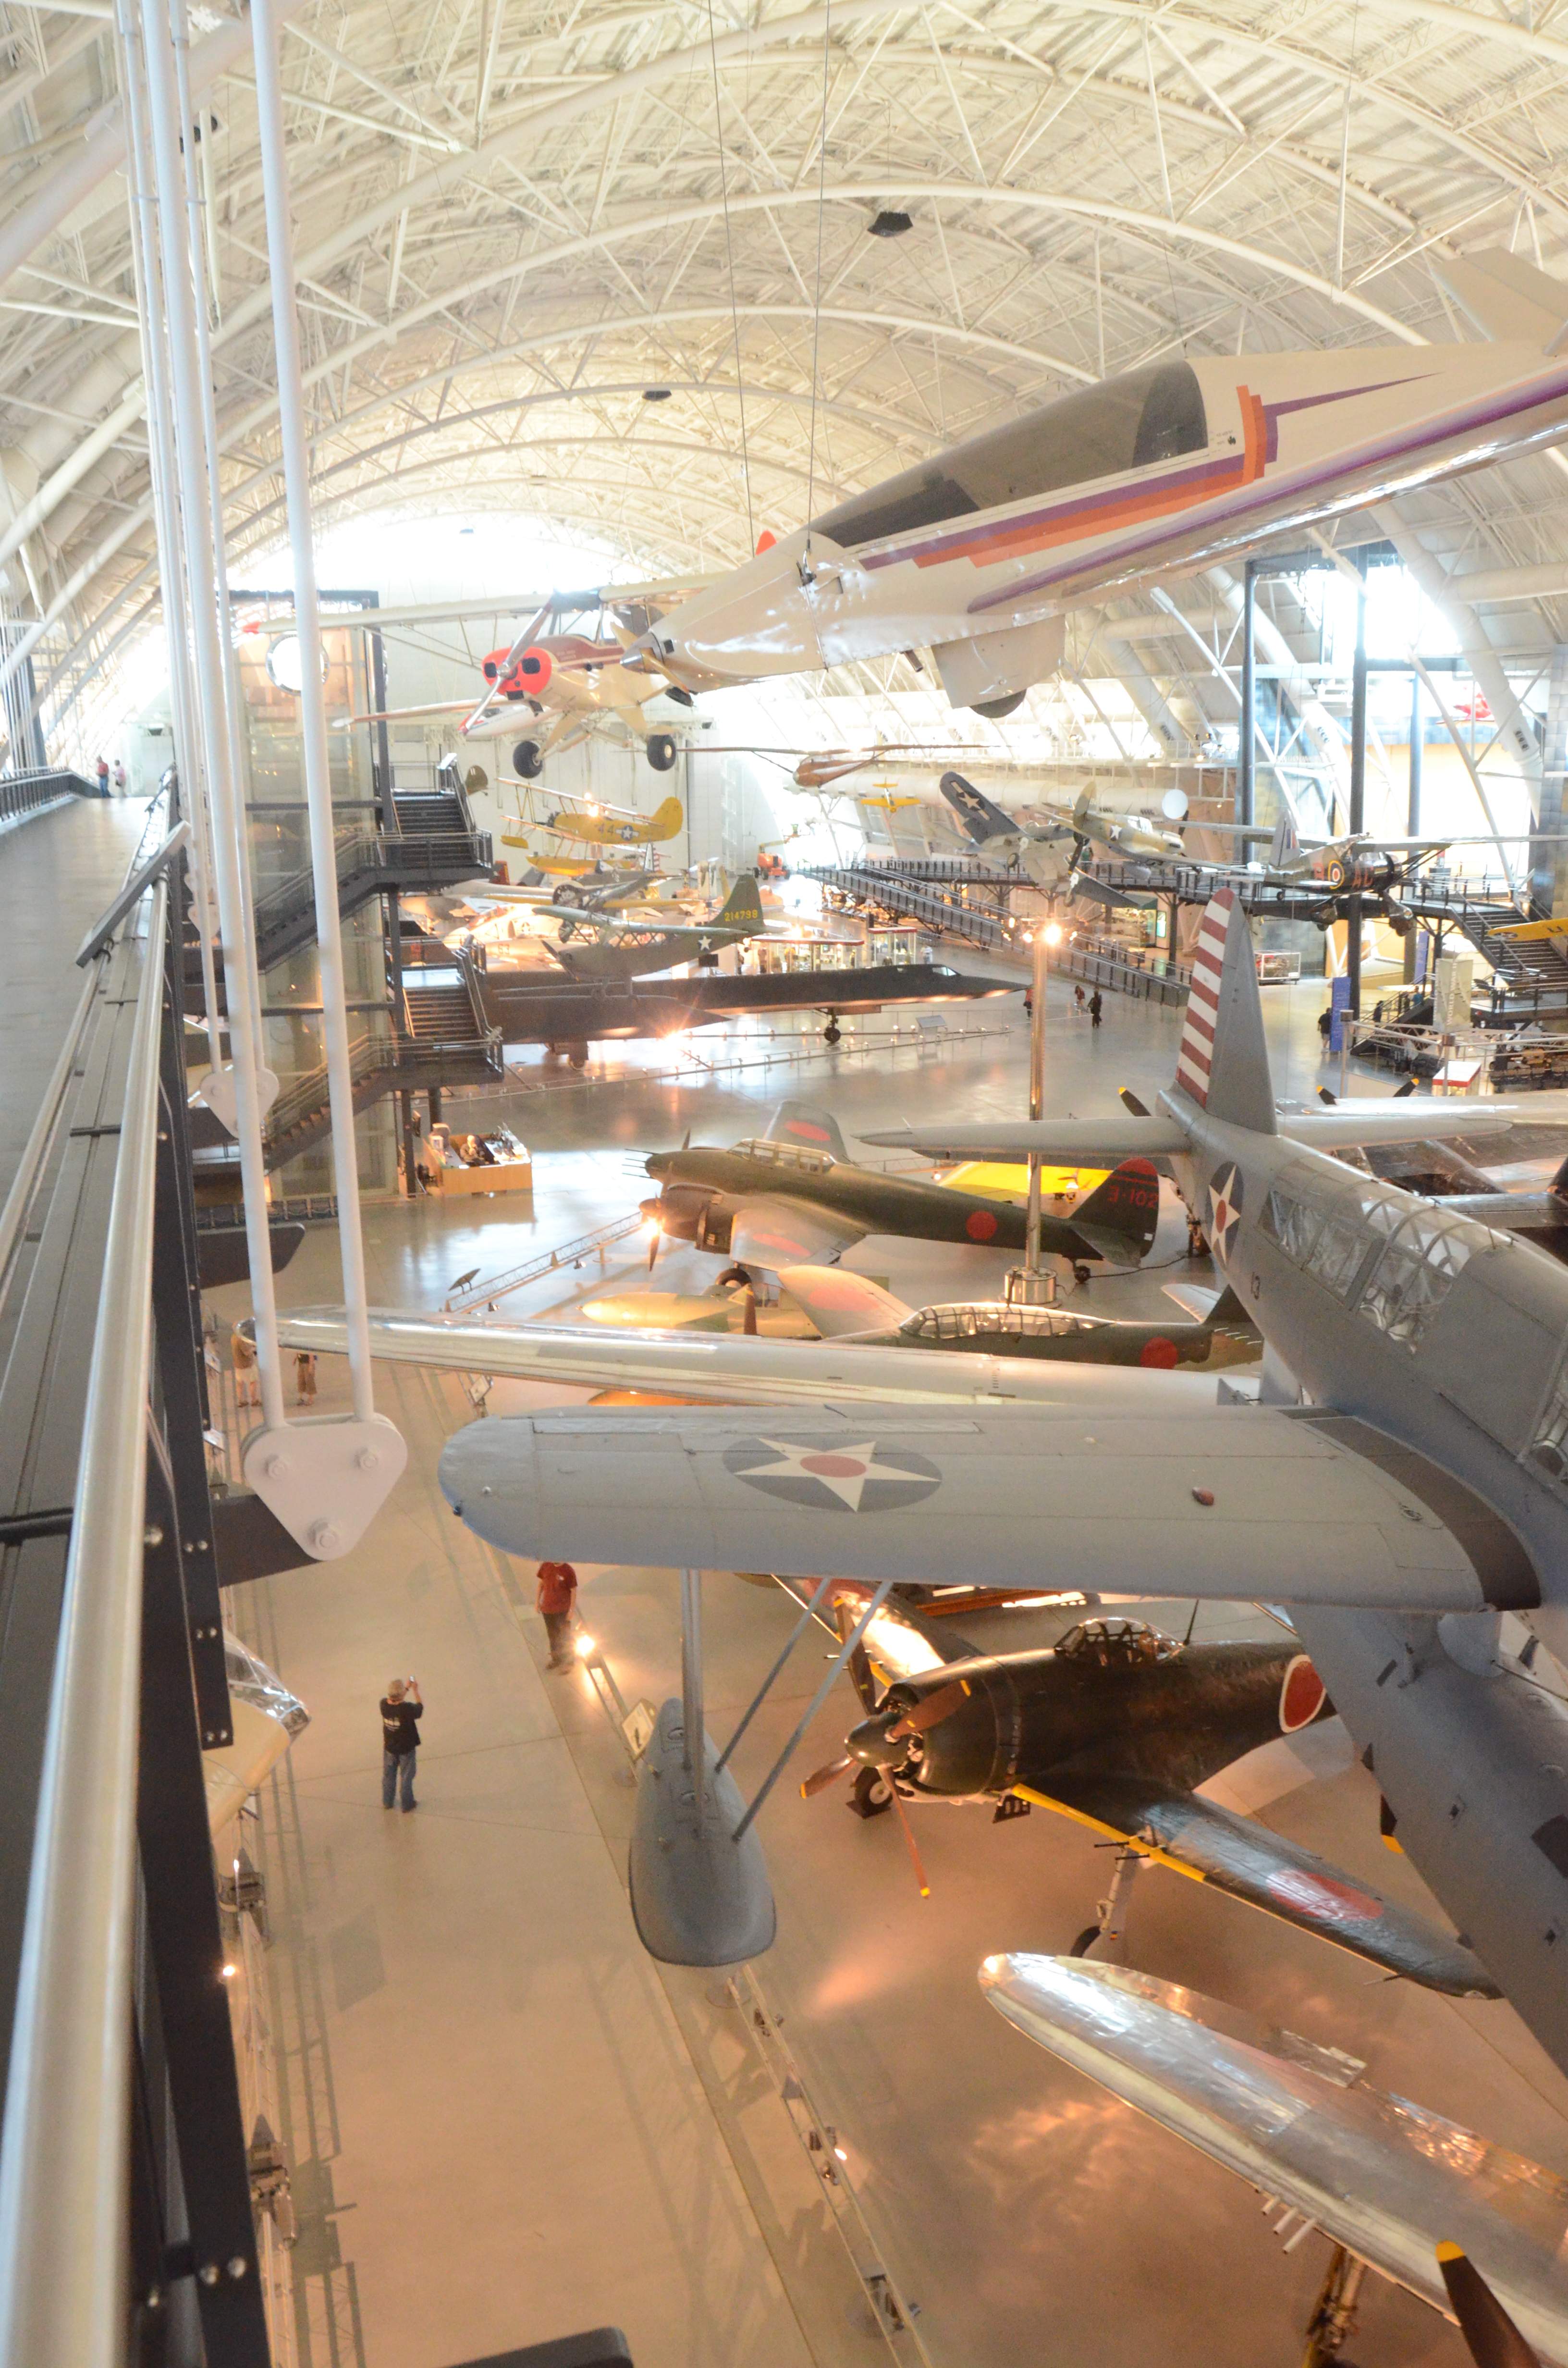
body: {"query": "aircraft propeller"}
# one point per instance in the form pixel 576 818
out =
pixel 875 1743
pixel 1491 2337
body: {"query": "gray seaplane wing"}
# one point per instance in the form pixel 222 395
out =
pixel 1107 1141
pixel 1234 1502
pixel 1235 1855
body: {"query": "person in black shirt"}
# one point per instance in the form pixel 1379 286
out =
pixel 400 1713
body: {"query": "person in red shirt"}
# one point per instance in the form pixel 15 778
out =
pixel 557 1591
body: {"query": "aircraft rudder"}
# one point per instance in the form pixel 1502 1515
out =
pixel 1222 1058
pixel 742 907
pixel 1128 1203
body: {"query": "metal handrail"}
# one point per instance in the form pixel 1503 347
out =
pixel 63 2164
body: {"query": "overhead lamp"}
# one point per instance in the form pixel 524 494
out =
pixel 890 223
pixel 657 393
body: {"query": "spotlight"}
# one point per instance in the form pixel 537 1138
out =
pixel 890 223
pixel 586 1648
pixel 657 393
pixel 1053 933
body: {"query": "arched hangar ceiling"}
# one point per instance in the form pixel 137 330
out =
pixel 512 218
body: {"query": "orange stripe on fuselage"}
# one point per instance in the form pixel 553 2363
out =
pixel 1130 508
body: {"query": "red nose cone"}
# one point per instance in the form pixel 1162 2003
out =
pixel 534 669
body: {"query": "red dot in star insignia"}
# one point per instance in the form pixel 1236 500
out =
pixel 979 1225
pixel 832 1467
pixel 1160 1354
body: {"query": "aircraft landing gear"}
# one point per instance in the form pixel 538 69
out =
pixel 1080 1273
pixel 528 760
pixel 832 1034
pixel 1108 1938
pixel 870 1795
pixel 1333 2321
pixel 661 751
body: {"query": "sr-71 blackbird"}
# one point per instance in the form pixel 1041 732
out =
pixel 1407 1483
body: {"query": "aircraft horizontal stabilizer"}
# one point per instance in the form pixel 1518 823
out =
pixel 1064 1142
pixel 1505 296
pixel 1102 1143
pixel 1219 1505
pixel 1251 1862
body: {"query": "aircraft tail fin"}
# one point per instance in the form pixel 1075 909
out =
pixel 1505 296
pixel 812 1129
pixel 741 909
pixel 1120 1217
pixel 666 819
pixel 1228 1313
pixel 1223 1059
pixel 979 815
pixel 1284 842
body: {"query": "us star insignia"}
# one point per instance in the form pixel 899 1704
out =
pixel 863 1477
pixel 1226 1208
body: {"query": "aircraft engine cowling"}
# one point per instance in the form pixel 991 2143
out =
pixel 714 1228
pixel 532 672
pixel 682 1212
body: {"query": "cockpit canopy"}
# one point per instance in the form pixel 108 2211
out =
pixel 788 1154
pixel 1116 1643
pixel 1100 431
pixel 992 1319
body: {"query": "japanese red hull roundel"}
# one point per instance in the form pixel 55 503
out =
pixel 1224 1209
pixel 854 1477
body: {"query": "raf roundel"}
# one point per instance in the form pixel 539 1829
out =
pixel 1224 1209
pixel 830 1477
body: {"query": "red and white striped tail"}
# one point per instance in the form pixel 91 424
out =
pixel 1196 1054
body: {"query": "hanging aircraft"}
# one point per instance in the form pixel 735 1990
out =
pixel 595 945
pixel 1473 2230
pixel 1402 1484
pixel 982 551
pixel 1115 1727
pixel 603 825
pixel 569 1015
pixel 793 1195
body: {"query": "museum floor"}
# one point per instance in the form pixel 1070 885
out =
pixel 506 2122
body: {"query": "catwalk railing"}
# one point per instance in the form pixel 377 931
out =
pixel 126 2231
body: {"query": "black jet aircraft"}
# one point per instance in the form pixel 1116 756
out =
pixel 1115 1727
pixel 793 1195
pixel 569 1015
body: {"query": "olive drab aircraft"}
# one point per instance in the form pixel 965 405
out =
pixel 1115 1727
pixel 981 553
pixel 793 1195
pixel 1401 1485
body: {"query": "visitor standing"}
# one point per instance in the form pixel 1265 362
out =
pixel 557 1592
pixel 103 776
pixel 1097 1008
pixel 402 1711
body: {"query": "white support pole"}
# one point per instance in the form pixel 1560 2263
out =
pixel 201 246
pixel 265 27
pixel 176 627
pixel 240 981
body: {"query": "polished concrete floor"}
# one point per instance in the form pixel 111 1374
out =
pixel 507 2122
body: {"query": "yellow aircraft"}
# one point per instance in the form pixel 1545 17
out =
pixel 1524 932
pixel 601 825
